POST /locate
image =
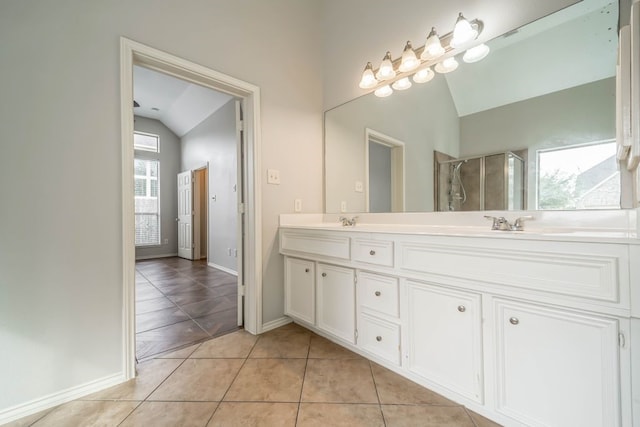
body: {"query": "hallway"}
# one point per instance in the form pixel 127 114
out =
pixel 181 302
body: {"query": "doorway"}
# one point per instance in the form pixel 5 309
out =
pixel 133 53
pixel 384 173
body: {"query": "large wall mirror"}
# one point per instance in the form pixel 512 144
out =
pixel 531 126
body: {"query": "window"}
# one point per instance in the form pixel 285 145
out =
pixel 146 177
pixel 146 142
pixel 582 176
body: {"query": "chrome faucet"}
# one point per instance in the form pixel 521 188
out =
pixel 346 222
pixel 502 224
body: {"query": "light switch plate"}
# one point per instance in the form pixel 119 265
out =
pixel 297 205
pixel 273 176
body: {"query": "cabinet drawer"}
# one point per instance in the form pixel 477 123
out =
pixel 378 293
pixel 315 243
pixel 377 252
pixel 380 338
pixel 575 269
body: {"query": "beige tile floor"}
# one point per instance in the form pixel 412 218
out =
pixel 286 377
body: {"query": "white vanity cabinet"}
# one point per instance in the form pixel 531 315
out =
pixel 444 346
pixel 526 330
pixel 300 301
pixel 336 306
pixel 556 367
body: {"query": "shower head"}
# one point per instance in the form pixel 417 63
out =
pixel 457 166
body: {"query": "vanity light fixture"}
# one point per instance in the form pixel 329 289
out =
pixel 386 71
pixel 424 75
pixel 448 65
pixel 463 32
pixel 432 47
pixel 383 91
pixel 401 84
pixel 437 52
pixel 476 53
pixel 368 78
pixel 409 61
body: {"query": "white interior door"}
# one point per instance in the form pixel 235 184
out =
pixel 185 215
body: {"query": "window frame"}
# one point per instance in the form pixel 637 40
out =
pixel 149 156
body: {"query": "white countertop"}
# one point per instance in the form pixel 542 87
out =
pixel 585 226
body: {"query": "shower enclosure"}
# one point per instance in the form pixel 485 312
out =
pixel 490 182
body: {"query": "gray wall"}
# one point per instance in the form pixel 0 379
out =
pixel 169 157
pixel 409 116
pixel 60 163
pixel 214 141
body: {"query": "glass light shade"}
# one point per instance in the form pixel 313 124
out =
pixel 383 91
pixel 409 61
pixel 402 84
pixel 424 75
pixel 446 66
pixel 476 53
pixel 432 47
pixel 386 71
pixel 368 79
pixel 463 32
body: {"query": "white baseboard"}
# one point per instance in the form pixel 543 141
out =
pixel 276 323
pixel 225 269
pixel 141 257
pixel 55 399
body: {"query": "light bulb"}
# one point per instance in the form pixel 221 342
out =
pixel 423 75
pixel 386 71
pixel 401 84
pixel 432 47
pixel 463 32
pixel 368 79
pixel 409 60
pixel 447 66
pixel 476 53
pixel 383 91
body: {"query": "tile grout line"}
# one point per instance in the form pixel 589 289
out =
pixel 304 377
pixel 375 386
pixel 232 381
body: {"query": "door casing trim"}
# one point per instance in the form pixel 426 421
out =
pixel 132 52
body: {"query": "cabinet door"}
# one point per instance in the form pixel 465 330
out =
pixel 556 367
pixel 444 338
pixel 336 306
pixel 299 294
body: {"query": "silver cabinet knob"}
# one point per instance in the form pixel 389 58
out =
pixel 462 308
pixel 378 338
pixel 324 274
pixel 377 293
pixel 514 321
pixel 306 270
pixel 372 252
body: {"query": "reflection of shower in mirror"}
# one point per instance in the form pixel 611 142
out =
pixel 456 186
pixel 489 182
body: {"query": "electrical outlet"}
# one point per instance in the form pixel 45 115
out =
pixel 229 251
pixel 235 253
pixel 359 187
pixel 343 206
pixel 273 176
pixel 297 205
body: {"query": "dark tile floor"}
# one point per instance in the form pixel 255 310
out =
pixel 181 302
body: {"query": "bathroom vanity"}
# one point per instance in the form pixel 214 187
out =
pixel 529 328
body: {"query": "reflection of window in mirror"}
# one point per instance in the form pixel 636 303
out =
pixel 583 176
